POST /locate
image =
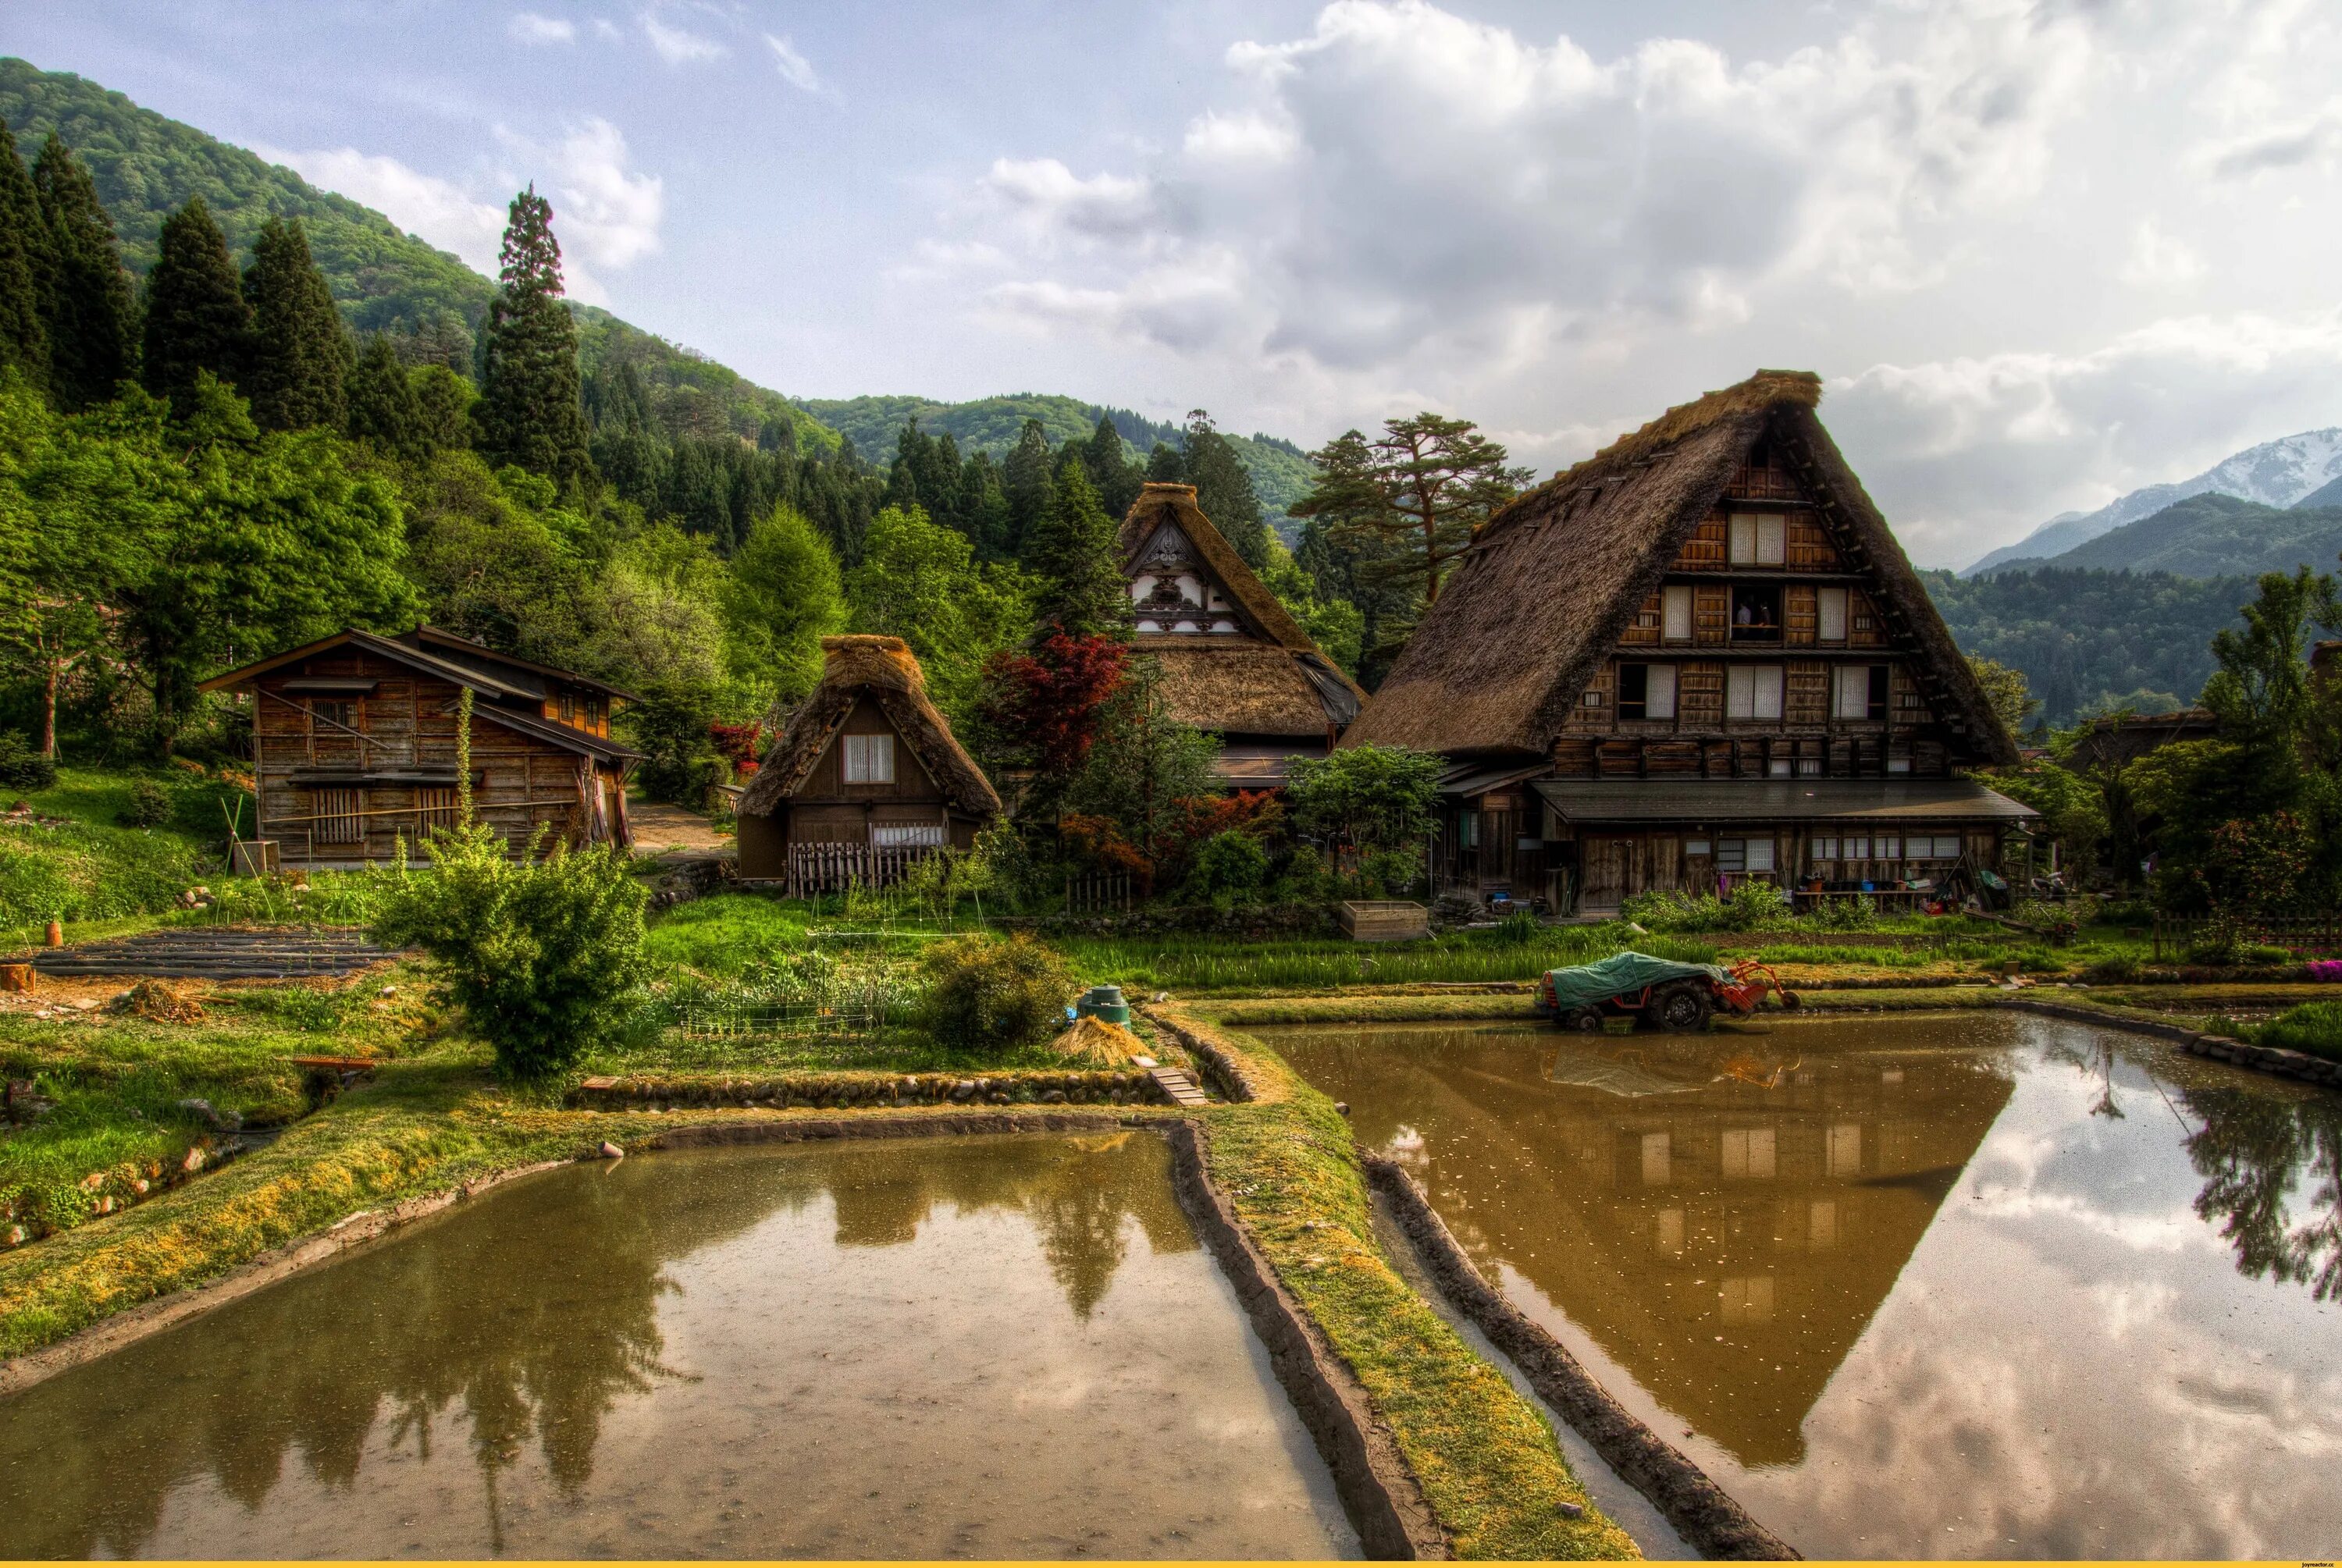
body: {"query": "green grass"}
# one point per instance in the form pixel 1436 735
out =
pixel 2314 1028
pixel 96 867
pixel 1200 965
pixel 726 935
pixel 116 1082
pixel 1488 1462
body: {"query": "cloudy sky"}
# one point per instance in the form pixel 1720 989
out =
pixel 2044 253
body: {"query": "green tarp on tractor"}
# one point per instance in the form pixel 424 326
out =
pixel 1589 984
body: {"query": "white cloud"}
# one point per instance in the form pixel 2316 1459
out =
pixel 529 27
pixel 437 210
pixel 605 28
pixel 1969 453
pixel 1403 178
pixel 795 68
pixel 604 210
pixel 677 46
pixel 2158 260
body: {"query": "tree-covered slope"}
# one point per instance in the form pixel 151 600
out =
pixel 148 166
pixel 2093 639
pixel 2211 536
pixel 1280 473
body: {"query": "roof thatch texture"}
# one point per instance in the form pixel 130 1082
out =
pixel 1273 682
pixel 1556 577
pixel 883 670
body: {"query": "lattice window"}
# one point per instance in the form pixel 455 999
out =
pixel 434 807
pixel 340 817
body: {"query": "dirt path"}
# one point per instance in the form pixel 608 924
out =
pixel 666 830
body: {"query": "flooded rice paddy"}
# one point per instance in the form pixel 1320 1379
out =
pixel 985 1347
pixel 1934 1287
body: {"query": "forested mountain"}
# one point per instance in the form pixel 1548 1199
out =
pixel 1280 473
pixel 2210 536
pixel 2280 473
pixel 146 167
pixel 2089 641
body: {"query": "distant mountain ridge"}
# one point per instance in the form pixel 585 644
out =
pixel 2276 474
pixel 2208 535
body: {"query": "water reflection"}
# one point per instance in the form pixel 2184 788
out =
pixel 524 1329
pixel 1958 1286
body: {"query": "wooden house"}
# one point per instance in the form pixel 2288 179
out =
pixel 1234 659
pixel 1698 657
pixel 354 745
pixel 867 764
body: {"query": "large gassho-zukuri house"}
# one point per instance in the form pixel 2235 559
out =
pixel 867 778
pixel 1233 660
pixel 353 747
pixel 1696 657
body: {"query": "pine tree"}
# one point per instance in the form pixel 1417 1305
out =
pixel 1024 478
pixel 530 411
pixel 984 508
pixel 26 264
pixel 92 317
pixel 1165 467
pixel 196 319
pixel 1116 478
pixel 1073 549
pixel 300 357
pixel 1224 489
pixel 381 406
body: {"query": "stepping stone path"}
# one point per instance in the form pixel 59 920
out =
pixel 1179 1086
pixel 223 954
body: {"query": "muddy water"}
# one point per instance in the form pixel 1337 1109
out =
pixel 1941 1288
pixel 998 1347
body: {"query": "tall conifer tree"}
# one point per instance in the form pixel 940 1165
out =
pixel 529 411
pixel 300 357
pixel 1024 478
pixel 26 262
pixel 381 406
pixel 92 318
pixel 1072 548
pixel 1224 489
pixel 196 319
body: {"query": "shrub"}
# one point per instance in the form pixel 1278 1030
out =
pixel 1231 866
pixel 1517 929
pixel 149 805
pixel 1306 879
pixel 2115 970
pixel 1859 914
pixel 545 955
pixel 2056 923
pixel 22 766
pixel 987 995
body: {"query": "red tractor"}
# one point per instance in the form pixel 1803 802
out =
pixel 1660 993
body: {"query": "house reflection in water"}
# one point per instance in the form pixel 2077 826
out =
pixel 1722 1219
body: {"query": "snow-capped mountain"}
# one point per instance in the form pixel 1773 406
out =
pixel 2274 473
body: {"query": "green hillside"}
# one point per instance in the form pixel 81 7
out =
pixel 2211 536
pixel 146 165
pixel 2092 640
pixel 1280 473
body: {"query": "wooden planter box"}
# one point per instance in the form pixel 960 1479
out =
pixel 1385 920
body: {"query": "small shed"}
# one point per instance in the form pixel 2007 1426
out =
pixel 867 764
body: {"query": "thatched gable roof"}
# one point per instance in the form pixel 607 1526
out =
pixel 1270 680
pixel 883 670
pixel 1557 576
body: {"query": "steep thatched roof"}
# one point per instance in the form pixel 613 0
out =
pixel 1555 578
pixel 883 669
pixel 1271 679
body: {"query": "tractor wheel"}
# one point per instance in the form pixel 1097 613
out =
pixel 1584 1021
pixel 1682 1009
pixel 1792 1001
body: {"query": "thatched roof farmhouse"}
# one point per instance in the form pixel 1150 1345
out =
pixel 1697 656
pixel 1233 660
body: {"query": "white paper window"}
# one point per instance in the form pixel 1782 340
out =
pixel 1822 846
pixel 1829 606
pixel 1947 846
pixel 1659 695
pixel 1853 691
pixel 1756 539
pixel 869 759
pixel 1749 1153
pixel 1677 618
pixel 1889 846
pixel 1776 767
pixel 1898 764
pixel 1761 854
pixel 1857 846
pixel 1753 692
pixel 908 835
pixel 1695 846
pixel 1809 767
pixel 1743 531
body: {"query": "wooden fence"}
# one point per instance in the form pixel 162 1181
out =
pixel 2320 937
pixel 1095 892
pixel 818 868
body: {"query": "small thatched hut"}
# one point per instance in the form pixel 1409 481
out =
pixel 1697 658
pixel 867 762
pixel 1233 660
